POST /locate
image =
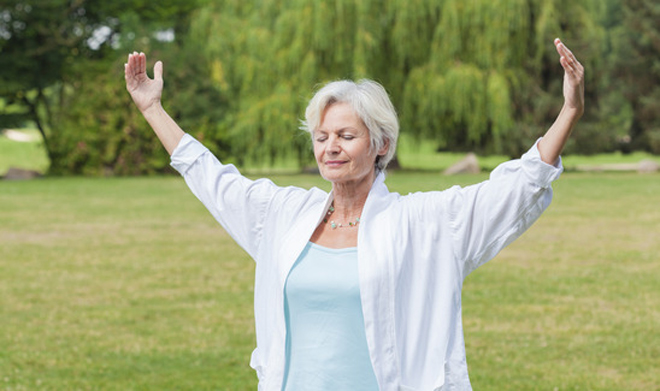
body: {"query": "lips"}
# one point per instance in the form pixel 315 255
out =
pixel 334 163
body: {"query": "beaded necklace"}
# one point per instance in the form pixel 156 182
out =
pixel 335 225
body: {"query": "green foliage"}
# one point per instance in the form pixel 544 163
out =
pixel 477 75
pixel 492 74
pixel 466 75
pixel 100 132
pixel 52 57
pixel 634 76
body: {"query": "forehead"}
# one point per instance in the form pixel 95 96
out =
pixel 338 116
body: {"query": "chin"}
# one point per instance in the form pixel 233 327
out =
pixel 334 178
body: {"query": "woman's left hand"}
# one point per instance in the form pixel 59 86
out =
pixel 573 79
pixel 555 138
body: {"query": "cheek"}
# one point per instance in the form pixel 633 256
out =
pixel 366 159
pixel 318 152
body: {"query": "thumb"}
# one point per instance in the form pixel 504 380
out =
pixel 158 71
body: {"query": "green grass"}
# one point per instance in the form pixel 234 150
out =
pixel 575 303
pixel 119 284
pixel 129 284
pixel 25 155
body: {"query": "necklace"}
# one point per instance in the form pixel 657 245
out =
pixel 335 225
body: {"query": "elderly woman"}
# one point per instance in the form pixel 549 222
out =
pixel 360 289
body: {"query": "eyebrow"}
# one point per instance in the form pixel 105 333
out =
pixel 338 130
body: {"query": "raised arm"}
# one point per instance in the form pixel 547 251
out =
pixel 553 142
pixel 146 94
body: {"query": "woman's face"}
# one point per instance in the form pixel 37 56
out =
pixel 342 146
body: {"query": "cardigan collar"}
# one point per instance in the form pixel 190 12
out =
pixel 378 189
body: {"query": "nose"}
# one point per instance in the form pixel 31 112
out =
pixel 334 145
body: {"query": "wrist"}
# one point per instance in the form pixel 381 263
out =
pixel 154 109
pixel 571 113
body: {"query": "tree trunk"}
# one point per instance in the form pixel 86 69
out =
pixel 35 117
pixel 394 164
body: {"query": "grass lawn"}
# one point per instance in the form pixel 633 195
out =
pixel 25 155
pixel 129 284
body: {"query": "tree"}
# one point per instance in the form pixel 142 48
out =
pixel 45 47
pixel 491 82
pixel 634 85
pixel 468 75
pixel 102 133
pixel 477 75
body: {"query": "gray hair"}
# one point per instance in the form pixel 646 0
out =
pixel 370 102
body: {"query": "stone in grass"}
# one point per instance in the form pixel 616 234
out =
pixel 468 165
pixel 648 166
pixel 17 174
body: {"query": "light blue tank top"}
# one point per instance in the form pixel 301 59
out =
pixel 326 347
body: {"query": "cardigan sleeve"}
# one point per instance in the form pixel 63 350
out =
pixel 488 216
pixel 239 204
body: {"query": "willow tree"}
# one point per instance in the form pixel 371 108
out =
pixel 466 74
pixel 491 81
pixel 633 97
pixel 267 58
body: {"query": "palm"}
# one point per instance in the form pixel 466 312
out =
pixel 145 91
pixel 573 78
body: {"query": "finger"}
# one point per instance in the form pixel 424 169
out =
pixel 158 71
pixel 566 64
pixel 569 66
pixel 143 62
pixel 563 50
pixel 567 59
pixel 574 70
pixel 131 67
pixel 133 63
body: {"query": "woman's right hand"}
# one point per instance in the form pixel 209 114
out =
pixel 145 92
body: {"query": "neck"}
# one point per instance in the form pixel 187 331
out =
pixel 349 198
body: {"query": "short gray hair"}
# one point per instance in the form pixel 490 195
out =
pixel 370 102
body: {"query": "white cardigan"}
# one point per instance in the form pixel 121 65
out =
pixel 414 252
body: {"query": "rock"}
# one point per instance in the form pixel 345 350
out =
pixel 21 174
pixel 608 167
pixel 468 165
pixel 15 135
pixel 647 166
pixel 313 170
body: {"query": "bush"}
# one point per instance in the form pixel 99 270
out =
pixel 589 138
pixel 100 131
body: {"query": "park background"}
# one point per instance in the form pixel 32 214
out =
pixel 112 276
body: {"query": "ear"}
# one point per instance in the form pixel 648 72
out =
pixel 385 148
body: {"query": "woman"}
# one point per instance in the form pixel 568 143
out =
pixel 360 289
